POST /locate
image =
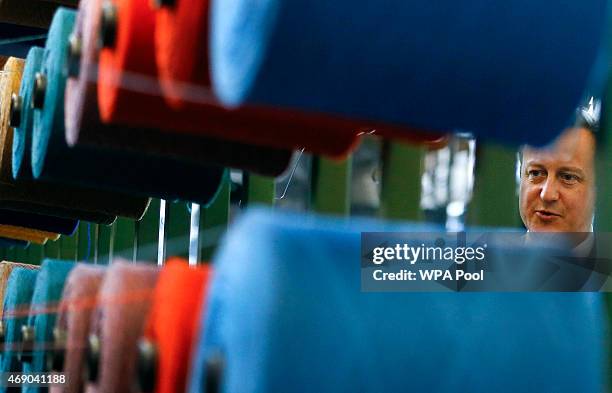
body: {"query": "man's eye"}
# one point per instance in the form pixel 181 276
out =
pixel 533 173
pixel 569 178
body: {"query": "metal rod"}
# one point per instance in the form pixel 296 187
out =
pixel 76 249
pixel 161 245
pixel 194 235
pixel 136 240
pixel 111 243
pixel 295 165
pixel 96 242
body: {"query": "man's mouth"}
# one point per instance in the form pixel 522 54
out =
pixel 546 215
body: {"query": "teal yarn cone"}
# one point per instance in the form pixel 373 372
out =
pixel 43 312
pixel 18 294
pixel 21 134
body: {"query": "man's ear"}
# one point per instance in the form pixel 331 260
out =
pixel 518 169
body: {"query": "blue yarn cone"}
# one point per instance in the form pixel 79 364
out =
pixel 286 313
pixel 514 73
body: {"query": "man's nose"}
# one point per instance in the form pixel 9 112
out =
pixel 550 190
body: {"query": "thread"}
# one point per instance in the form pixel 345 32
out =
pixel 53 159
pixel 83 125
pixel 117 324
pixel 49 286
pixel 133 53
pixel 49 149
pixel 6 268
pixel 514 74
pixel 178 22
pixel 67 202
pixel 273 290
pixel 177 304
pixel 34 232
pixel 18 293
pixel 23 234
pixel 74 319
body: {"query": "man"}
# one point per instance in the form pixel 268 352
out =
pixel 557 187
pixel 557 194
pixel 557 183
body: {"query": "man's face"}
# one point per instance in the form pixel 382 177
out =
pixel 558 184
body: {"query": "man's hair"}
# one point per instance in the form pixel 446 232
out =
pixel 587 116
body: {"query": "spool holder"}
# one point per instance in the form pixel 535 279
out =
pixel 147 365
pixel 39 91
pixel 108 25
pixel 55 358
pixel 26 346
pixel 73 61
pixel 16 110
pixel 92 359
